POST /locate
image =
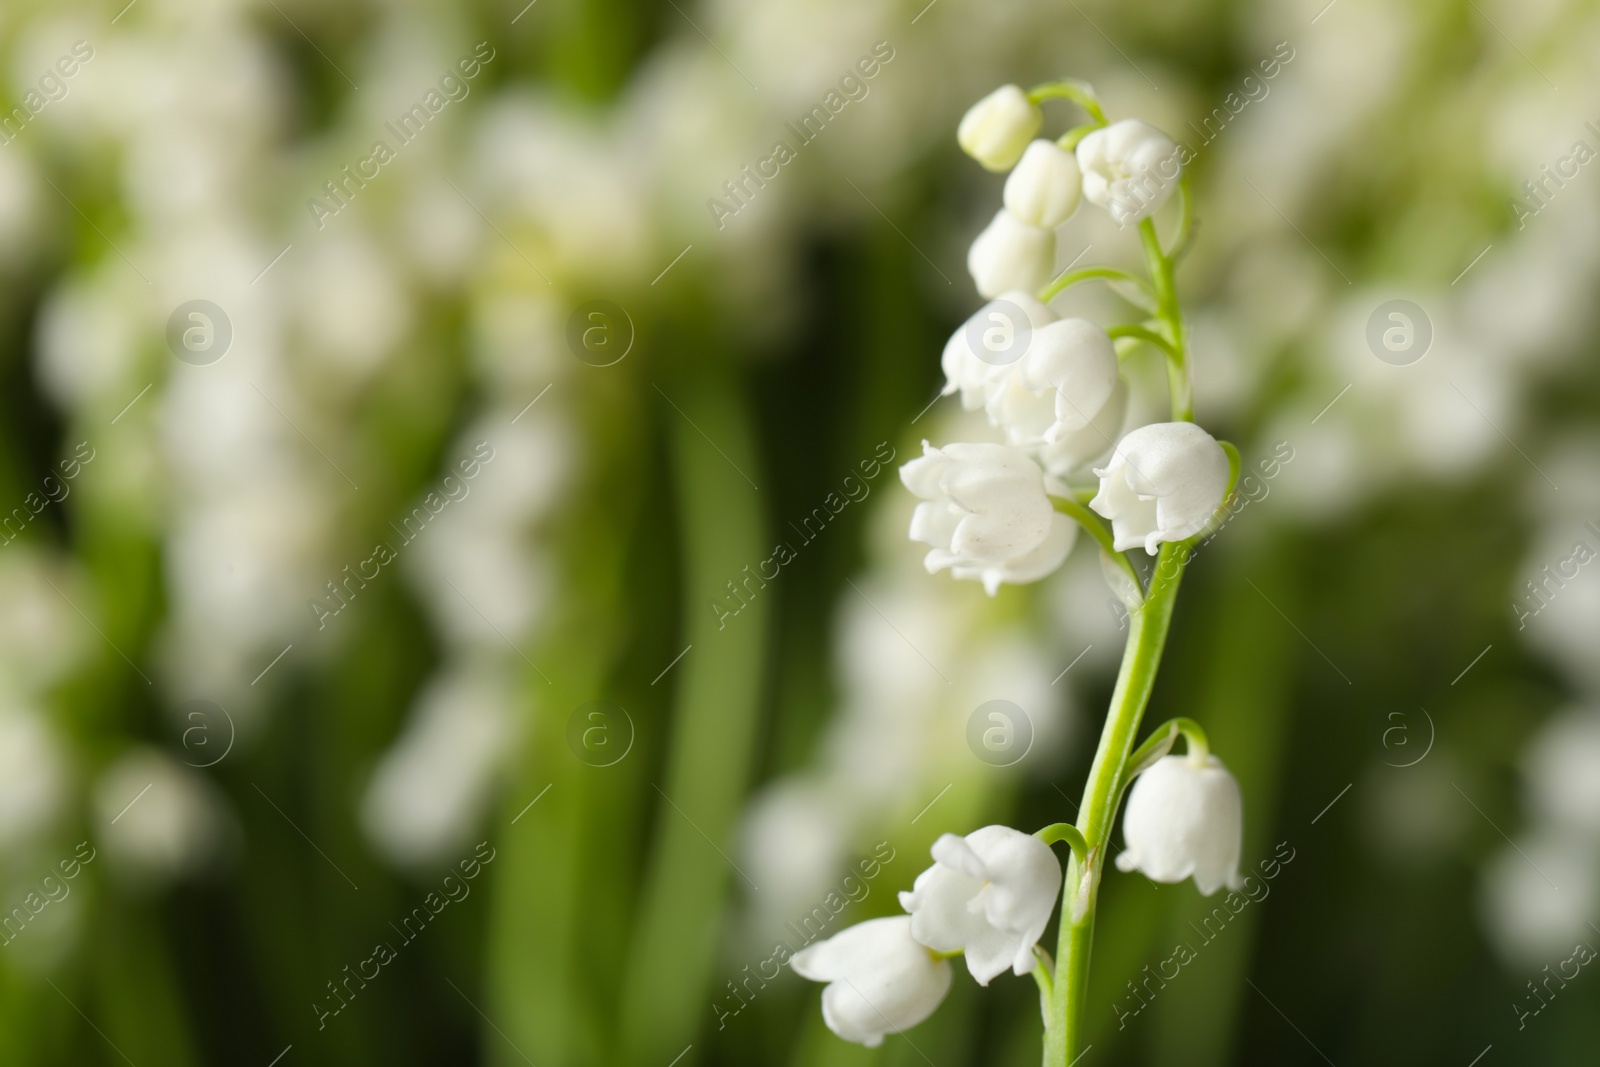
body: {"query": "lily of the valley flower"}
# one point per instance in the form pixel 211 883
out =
pixel 1129 168
pixel 986 514
pixel 880 980
pixel 1011 254
pixel 996 129
pixel 1073 449
pixel 1067 376
pixel 980 354
pixel 1046 187
pixel 1185 818
pixel 1164 483
pixel 989 895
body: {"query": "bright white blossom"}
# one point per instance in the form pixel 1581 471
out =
pixel 996 129
pixel 1164 483
pixel 1185 819
pixel 980 354
pixel 880 980
pixel 1010 254
pixel 986 514
pixel 1046 187
pixel 1129 168
pixel 990 895
pixel 1074 449
pixel 1067 376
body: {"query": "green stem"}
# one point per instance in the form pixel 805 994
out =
pixel 1073 277
pixel 1096 527
pixel 1170 316
pixel 1141 333
pixel 1147 638
pixel 1064 831
pixel 1078 92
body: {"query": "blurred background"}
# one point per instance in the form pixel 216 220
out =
pixel 402 402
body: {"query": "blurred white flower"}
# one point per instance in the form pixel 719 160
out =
pixel 1129 169
pixel 1563 771
pixel 1529 916
pixel 880 980
pixel 989 894
pixel 1164 483
pixel 432 786
pixel 1184 820
pixel 32 776
pixel 158 820
pixel 794 842
pixel 352 306
pixel 1010 254
pixel 996 129
pixel 986 514
pixel 1046 187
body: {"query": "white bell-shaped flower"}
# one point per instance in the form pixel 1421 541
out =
pixel 989 894
pixel 1059 386
pixel 1129 168
pixel 1164 483
pixel 996 129
pixel 1010 254
pixel 981 354
pixel 986 514
pixel 1185 818
pixel 1046 187
pixel 1072 450
pixel 880 980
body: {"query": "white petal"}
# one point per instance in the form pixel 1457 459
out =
pixel 1186 820
pixel 1010 254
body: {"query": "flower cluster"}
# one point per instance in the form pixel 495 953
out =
pixel 1051 385
pixel 989 896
